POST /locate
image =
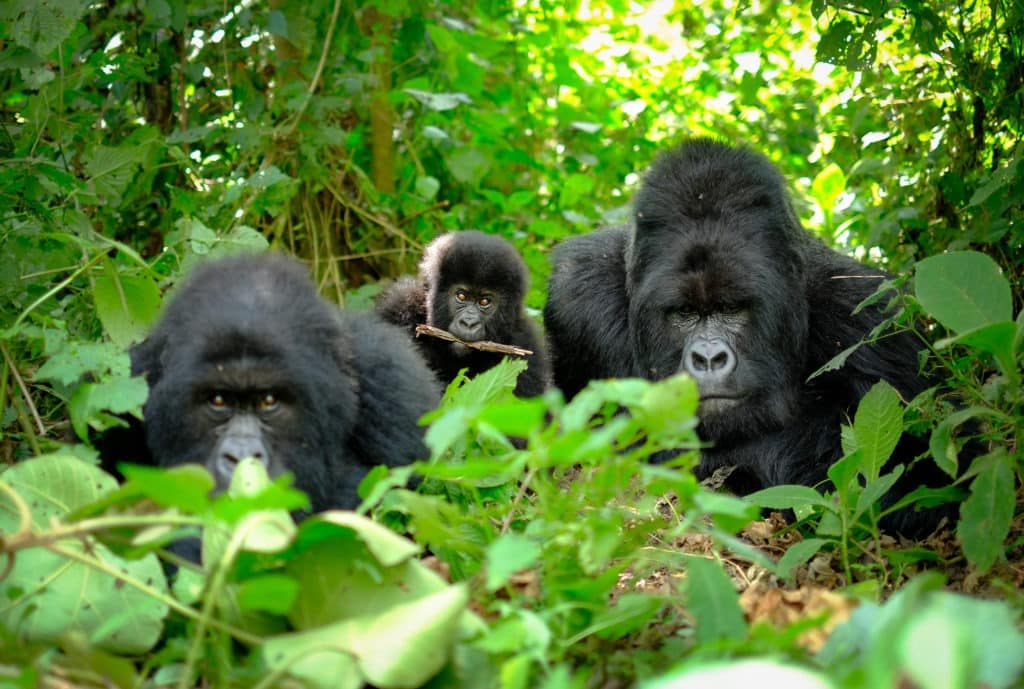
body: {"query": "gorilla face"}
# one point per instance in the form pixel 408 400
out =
pixel 717 291
pixel 247 360
pixel 216 408
pixel 471 309
pixel 473 285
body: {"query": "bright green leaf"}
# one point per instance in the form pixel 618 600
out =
pixel 273 593
pixel 507 555
pixel 877 427
pixel 127 305
pixel 963 290
pixel 786 497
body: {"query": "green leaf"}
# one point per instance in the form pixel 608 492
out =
pixel 439 102
pixel 877 427
pixel 427 187
pixel 186 487
pixel 387 547
pixel 876 489
pixel 273 593
pixel 47 595
pixel 998 339
pixel 827 186
pixel 267 177
pixel 75 360
pixel 712 600
pixel 468 165
pixel 786 497
pixel 941 444
pixel 963 290
pixel 955 641
pixel 575 188
pixel 986 514
pixel 90 403
pixel 630 612
pixel 402 647
pixel 111 169
pixel 127 305
pixel 515 417
pixel 507 555
pixel 798 554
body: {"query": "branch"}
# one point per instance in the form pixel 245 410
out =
pixel 482 345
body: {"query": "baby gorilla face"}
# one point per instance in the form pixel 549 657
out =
pixel 471 309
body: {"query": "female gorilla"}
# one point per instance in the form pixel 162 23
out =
pixel 716 277
pixel 248 361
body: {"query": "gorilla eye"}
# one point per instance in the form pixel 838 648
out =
pixel 268 401
pixel 218 401
pixel 461 296
pixel 484 301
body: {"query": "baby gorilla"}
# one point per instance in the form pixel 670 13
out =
pixel 471 284
pixel 248 361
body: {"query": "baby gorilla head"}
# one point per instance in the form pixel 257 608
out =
pixel 475 284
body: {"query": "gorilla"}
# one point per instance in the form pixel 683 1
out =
pixel 715 276
pixel 471 284
pixel 248 361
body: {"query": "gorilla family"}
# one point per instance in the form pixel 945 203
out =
pixel 248 361
pixel 715 276
pixel 471 284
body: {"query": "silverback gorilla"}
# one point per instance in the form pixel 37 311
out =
pixel 717 277
pixel 471 284
pixel 248 361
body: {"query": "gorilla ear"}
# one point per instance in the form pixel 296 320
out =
pixel 147 359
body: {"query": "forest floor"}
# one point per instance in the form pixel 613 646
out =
pixel 815 587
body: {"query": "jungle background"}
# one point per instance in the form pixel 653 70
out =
pixel 138 138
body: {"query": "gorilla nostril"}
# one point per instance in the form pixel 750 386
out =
pixel 710 359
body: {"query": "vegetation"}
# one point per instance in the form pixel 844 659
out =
pixel 137 139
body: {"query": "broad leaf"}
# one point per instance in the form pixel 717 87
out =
pixel 963 290
pixel 877 427
pixel 47 595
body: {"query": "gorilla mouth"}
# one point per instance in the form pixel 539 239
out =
pixel 719 403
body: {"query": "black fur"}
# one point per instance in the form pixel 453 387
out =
pixel 716 276
pixel 482 264
pixel 347 390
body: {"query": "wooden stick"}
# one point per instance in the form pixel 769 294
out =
pixel 482 345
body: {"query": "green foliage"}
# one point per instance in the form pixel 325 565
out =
pixel 138 140
pixel 937 639
pixel 966 293
pixel 72 588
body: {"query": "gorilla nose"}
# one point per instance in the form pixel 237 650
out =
pixel 468 327
pixel 709 360
pixel 234 449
